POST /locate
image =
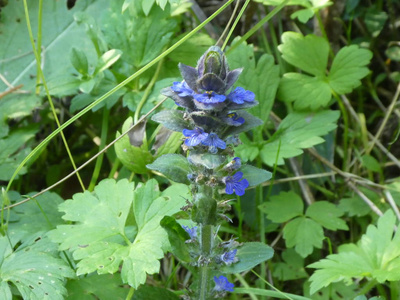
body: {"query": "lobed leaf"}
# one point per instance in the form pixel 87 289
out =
pixel 327 215
pixel 283 207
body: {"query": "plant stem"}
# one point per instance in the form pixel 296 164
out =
pixel 346 130
pixel 39 46
pixel 206 245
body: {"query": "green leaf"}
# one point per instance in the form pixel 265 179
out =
pixel 283 207
pixel 147 292
pixel 95 286
pixel 304 234
pixel 355 206
pixel 171 145
pixel 37 275
pixel 208 160
pixel 309 53
pixel 171 119
pixel 298 131
pixel 262 78
pixel 173 166
pixel 292 268
pixel 177 237
pixel 250 122
pixel 348 68
pixel 107 60
pixel 371 163
pixel 79 61
pixel 376 256
pixel 255 176
pixel 327 215
pixel 250 255
pixel 100 240
pixel 305 91
pixel 375 20
pixel 135 158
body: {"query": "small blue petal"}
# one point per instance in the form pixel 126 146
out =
pixel 234 164
pixel 234 183
pixel 234 120
pixel 182 89
pixel 191 231
pixel 209 98
pixel 213 140
pixel 240 95
pixel 194 137
pixel 229 257
pixel 222 284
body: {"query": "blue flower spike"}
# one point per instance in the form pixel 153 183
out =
pixel 222 284
pixel 182 89
pixel 194 137
pixel 213 142
pixel 235 184
pixel 191 231
pixel 229 257
pixel 239 96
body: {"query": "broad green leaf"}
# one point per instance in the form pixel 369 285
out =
pixel 371 163
pixel 305 91
pixel 147 292
pixel 309 53
pixel 327 215
pixel 171 145
pixel 348 68
pixel 174 166
pixel 296 132
pixel 292 268
pixel 141 38
pixel 355 206
pixel 177 237
pixel 100 240
pixel 102 287
pixel 261 77
pixel 375 256
pixel 107 60
pixel 304 234
pixel 255 176
pixel 79 61
pixel 283 207
pixel 12 151
pixel 135 158
pixel 171 119
pixel 59 34
pixel 250 255
pixel 37 275
pixel 208 160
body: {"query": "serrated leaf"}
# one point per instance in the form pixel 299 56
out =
pixel 355 206
pixel 99 237
pixel 305 91
pixel 348 68
pixel 296 132
pixel 250 255
pixel 255 176
pixel 309 53
pixel 283 207
pixel 376 256
pixel 292 268
pixel 173 166
pixel 102 287
pixel 37 275
pixel 326 214
pixel 262 78
pixel 304 234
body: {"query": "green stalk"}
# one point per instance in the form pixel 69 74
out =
pixel 206 247
pixel 37 57
pixel 113 90
pixel 346 130
pixel 103 138
pixel 39 46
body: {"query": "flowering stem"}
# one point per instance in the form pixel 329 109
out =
pixel 203 290
pixel 206 246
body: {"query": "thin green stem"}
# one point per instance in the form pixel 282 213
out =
pixel 258 25
pixel 103 138
pixel 147 91
pixel 113 90
pixel 235 23
pixel 28 24
pixel 367 287
pixel 286 296
pixel 39 45
pixel 345 131
pixel 130 294
pixel 259 200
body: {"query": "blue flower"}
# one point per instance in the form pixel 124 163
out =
pixel 240 95
pixel 222 284
pixel 235 184
pixel 229 257
pixel 233 119
pixel 234 164
pixel 182 89
pixel 209 97
pixel 194 137
pixel 191 231
pixel 214 142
